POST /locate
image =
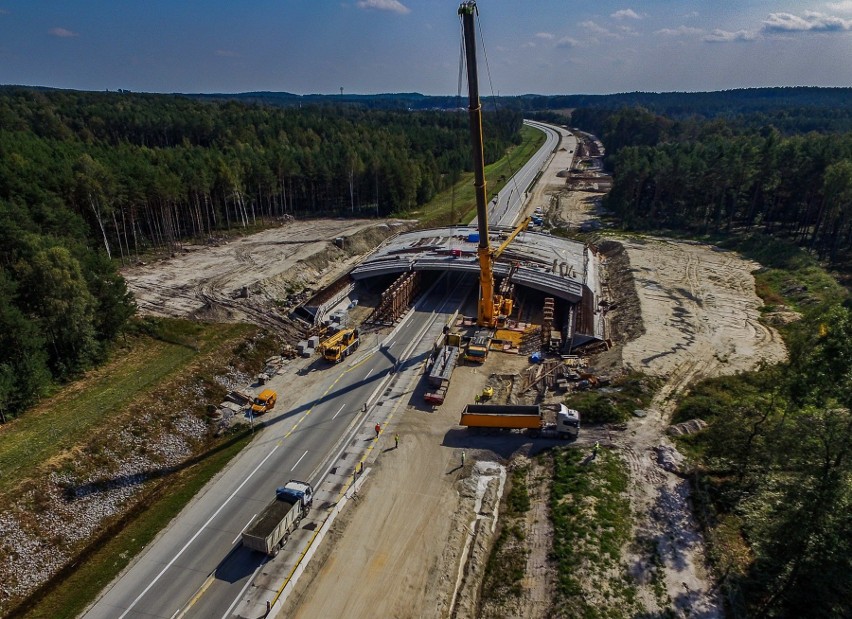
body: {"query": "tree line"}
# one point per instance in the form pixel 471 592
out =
pixel 88 180
pixel 717 176
pixel 773 480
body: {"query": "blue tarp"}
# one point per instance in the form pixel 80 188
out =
pixel 473 237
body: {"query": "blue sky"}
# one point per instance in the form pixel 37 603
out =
pixel 371 46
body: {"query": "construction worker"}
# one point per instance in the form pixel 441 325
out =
pixel 396 440
pixel 378 429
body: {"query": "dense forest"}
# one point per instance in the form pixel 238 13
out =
pixel 716 176
pixel 728 103
pixel 773 477
pixel 91 179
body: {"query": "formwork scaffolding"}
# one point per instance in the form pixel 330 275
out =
pixel 396 300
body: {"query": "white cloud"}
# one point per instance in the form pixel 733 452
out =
pixel 680 31
pixel 62 33
pixel 528 44
pixel 844 6
pixel 811 21
pixel 384 5
pixel 723 36
pixel 545 35
pixel 567 42
pixel 626 14
pixel 595 28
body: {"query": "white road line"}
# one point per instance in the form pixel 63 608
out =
pixel 368 373
pixel 338 412
pixel 197 533
pixel 299 460
pixel 243 529
pixel 391 344
pixel 243 590
pixel 176 612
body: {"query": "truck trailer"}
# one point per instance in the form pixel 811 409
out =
pixel 269 531
pixel 528 419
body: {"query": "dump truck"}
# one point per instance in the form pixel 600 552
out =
pixel 344 343
pixel 477 348
pixel 264 402
pixel 271 529
pixel 529 419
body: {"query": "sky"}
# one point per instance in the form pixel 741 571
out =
pixel 384 46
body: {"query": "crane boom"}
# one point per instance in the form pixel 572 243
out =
pixel 485 316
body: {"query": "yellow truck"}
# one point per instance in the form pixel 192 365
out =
pixel 477 349
pixel 340 345
pixel 264 402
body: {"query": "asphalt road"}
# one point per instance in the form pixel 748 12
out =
pixel 510 199
pixel 197 567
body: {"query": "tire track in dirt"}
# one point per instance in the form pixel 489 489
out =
pixel 701 320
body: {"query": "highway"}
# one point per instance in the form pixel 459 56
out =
pixel 506 210
pixel 196 567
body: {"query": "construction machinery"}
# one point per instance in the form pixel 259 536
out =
pixel 491 305
pixel 340 345
pixel 528 419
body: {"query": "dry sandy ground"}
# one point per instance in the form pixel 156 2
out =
pixel 700 314
pixel 274 265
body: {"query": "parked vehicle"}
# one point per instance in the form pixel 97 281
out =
pixel 271 529
pixel 264 402
pixel 340 345
pixel 529 419
pixel 477 349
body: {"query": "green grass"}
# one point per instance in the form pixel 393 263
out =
pixel 70 415
pixel 591 519
pixel 506 565
pixel 66 598
pixel 616 402
pixel 458 204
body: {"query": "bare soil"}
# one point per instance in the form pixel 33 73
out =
pixel 256 278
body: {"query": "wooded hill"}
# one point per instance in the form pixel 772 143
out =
pixel 87 179
pixel 711 177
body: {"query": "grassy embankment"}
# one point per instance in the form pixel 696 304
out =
pixel 146 374
pixel 458 204
pixel 591 520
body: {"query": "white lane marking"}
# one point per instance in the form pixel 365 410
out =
pixel 240 595
pixel 338 412
pixel 368 373
pixel 391 344
pixel 299 460
pixel 197 533
pixel 176 612
pixel 243 529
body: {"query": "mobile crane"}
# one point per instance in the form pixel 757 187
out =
pixel 492 306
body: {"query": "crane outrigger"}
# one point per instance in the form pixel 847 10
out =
pixel 491 305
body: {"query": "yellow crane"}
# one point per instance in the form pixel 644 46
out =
pixel 491 305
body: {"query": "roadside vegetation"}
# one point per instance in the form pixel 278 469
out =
pixel 591 519
pixel 457 204
pixel 74 447
pixel 616 402
pixel 506 564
